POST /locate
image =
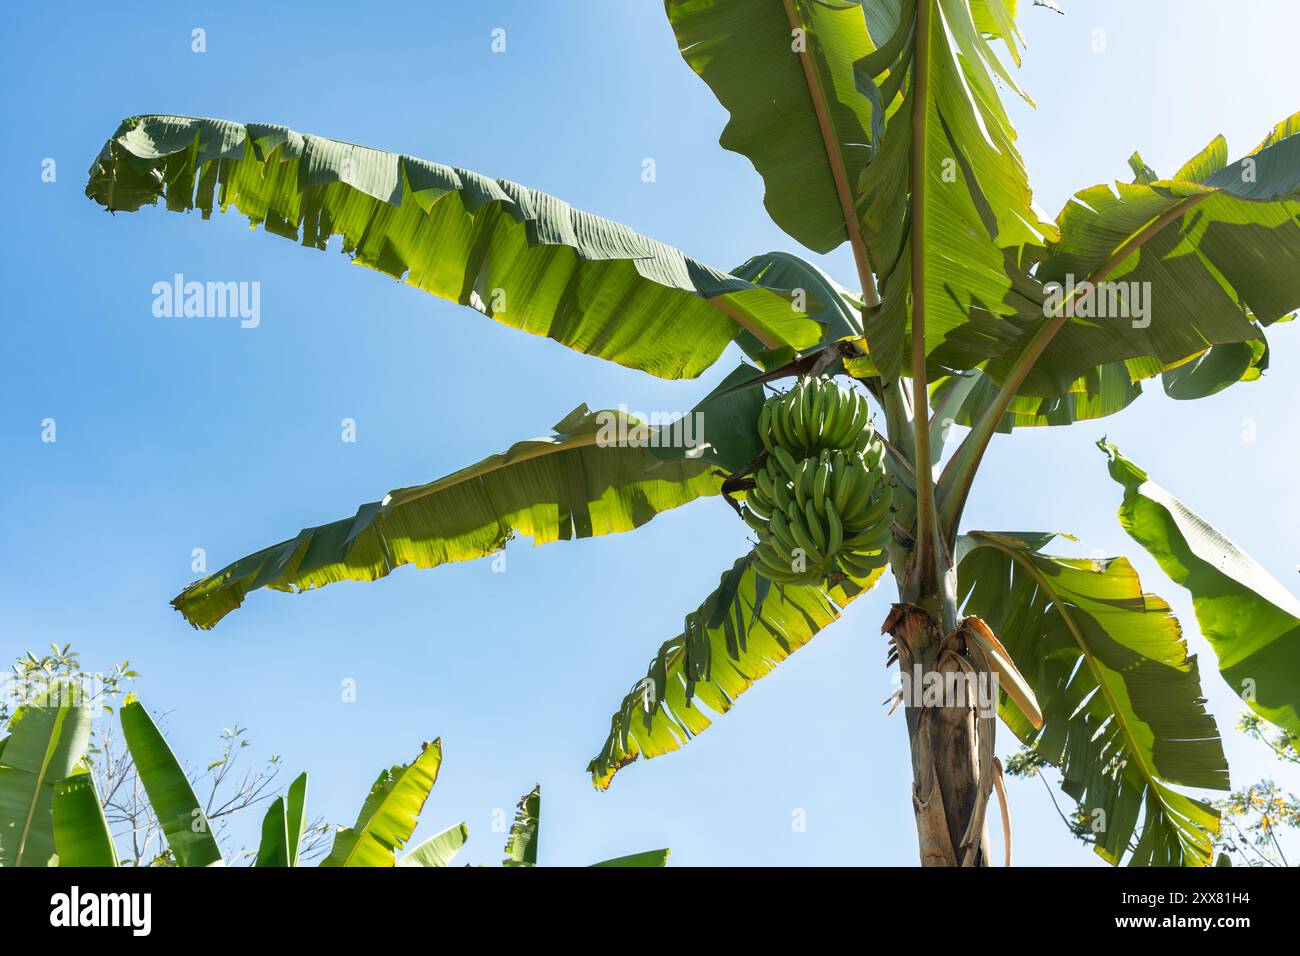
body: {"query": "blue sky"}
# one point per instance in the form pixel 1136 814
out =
pixel 175 434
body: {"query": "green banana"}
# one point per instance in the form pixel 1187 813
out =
pixel 821 479
pixel 872 539
pixel 807 401
pixel 767 555
pixel 757 502
pixel 822 496
pixel 803 538
pixel 864 566
pixel 843 477
pixel 765 426
pixel 857 501
pixel 802 485
pixel 790 415
pixel 818 411
pixel 853 425
pixel 752 519
pixel 834 530
pixel 834 412
pixel 782 488
pixel 875 511
pixel 786 461
pixel 780 530
pixel 814 526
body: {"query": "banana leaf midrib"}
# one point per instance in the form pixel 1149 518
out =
pixel 545 446
pixel 839 175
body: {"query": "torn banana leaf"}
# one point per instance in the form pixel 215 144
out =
pixel 1251 621
pixel 1123 714
pixel 521 844
pixel 963 397
pixel 390 813
pixel 741 632
pixel 517 255
pixel 1206 258
pixel 776 67
pixel 578 483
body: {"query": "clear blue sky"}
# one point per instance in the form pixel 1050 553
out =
pixel 176 434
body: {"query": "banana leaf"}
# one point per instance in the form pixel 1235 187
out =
pixel 591 478
pixel 1214 253
pixel 273 850
pixel 46 743
pixel 646 859
pixel 956 179
pixel 182 818
pixel 519 256
pixel 839 315
pixel 1251 621
pixel 439 849
pixel 738 635
pixel 748 55
pixel 81 834
pixel 521 844
pixel 295 821
pixel 1124 716
pixel 965 396
pixel 389 815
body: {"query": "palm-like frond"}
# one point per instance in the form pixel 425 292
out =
pixel 738 635
pixel 1251 621
pixel 389 814
pixel 517 255
pixel 579 483
pixel 1124 717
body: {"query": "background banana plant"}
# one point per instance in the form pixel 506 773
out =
pixel 879 124
pixel 51 813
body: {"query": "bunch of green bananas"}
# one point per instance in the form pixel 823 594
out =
pixel 821 502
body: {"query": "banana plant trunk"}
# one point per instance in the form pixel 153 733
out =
pixel 951 744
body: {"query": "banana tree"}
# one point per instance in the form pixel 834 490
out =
pixel 879 124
